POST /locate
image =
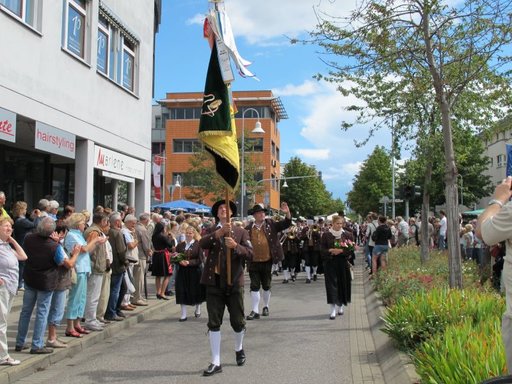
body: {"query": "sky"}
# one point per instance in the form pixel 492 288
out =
pixel 262 29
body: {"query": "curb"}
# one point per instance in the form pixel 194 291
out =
pixel 34 363
pixel 396 366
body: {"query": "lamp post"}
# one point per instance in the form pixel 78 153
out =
pixel 176 185
pixel 257 129
pixel 461 189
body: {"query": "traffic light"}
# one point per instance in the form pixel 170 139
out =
pixel 408 192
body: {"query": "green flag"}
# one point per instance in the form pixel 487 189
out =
pixel 217 128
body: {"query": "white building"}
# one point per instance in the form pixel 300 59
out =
pixel 76 85
pixel 495 144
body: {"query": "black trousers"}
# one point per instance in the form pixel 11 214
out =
pixel 217 299
pixel 261 276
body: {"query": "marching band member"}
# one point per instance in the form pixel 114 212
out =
pixel 290 242
pixel 267 250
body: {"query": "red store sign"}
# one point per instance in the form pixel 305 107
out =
pixel 7 125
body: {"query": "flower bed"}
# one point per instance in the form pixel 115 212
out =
pixel 452 335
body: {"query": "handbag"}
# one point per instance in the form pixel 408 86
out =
pixel 351 270
pixel 74 276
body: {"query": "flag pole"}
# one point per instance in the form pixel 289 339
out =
pixel 228 250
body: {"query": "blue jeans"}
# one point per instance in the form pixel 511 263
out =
pixel 57 307
pixel 442 242
pixel 42 301
pixel 115 286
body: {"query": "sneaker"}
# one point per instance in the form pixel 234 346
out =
pixel 55 344
pixel 94 326
pixel 9 361
pixel 20 348
pixel 41 351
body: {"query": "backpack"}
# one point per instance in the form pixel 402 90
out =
pixel 374 235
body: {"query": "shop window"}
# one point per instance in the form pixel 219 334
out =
pixel 25 11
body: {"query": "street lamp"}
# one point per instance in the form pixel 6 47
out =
pixel 257 129
pixel 176 185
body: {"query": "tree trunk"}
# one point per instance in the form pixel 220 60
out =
pixel 451 196
pixel 452 214
pixel 425 208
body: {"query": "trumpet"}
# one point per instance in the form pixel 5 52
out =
pixel 292 233
pixel 315 228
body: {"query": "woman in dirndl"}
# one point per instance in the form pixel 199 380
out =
pixel 336 254
pixel 189 290
pixel 161 266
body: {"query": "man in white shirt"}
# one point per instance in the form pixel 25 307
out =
pixel 442 230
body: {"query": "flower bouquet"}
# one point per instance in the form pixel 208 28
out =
pixel 177 257
pixel 346 245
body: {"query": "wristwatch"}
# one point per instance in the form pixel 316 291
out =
pixel 494 201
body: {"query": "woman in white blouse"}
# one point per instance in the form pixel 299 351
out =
pixel 189 291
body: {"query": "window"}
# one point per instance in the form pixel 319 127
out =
pixel 103 45
pixel 500 161
pixel 278 157
pixel 75 25
pixel 117 51
pixel 273 149
pixel 254 145
pixel 186 146
pixel 26 11
pixel 185 113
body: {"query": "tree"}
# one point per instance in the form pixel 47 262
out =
pixel 371 183
pixel 452 53
pixel 202 180
pixel 308 196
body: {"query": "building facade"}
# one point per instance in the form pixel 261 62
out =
pixel 178 117
pixel 76 87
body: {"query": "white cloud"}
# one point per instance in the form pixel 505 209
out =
pixel 352 168
pixel 313 154
pixel 308 87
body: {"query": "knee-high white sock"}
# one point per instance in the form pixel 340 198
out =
pixel 286 274
pixel 308 273
pixel 198 309
pixel 266 298
pixel 314 270
pixel 339 309
pixel 333 310
pixel 292 271
pixel 183 311
pixel 239 340
pixel 215 346
pixel 255 296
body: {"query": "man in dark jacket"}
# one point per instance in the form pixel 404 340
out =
pixel 264 235
pixel 222 290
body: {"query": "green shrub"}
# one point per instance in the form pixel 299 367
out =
pixel 464 353
pixel 417 317
pixel 406 275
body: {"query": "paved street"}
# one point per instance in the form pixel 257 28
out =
pixel 296 344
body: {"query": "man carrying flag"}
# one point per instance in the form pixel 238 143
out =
pixel 228 247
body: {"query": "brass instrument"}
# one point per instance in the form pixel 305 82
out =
pixel 292 232
pixel 315 228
